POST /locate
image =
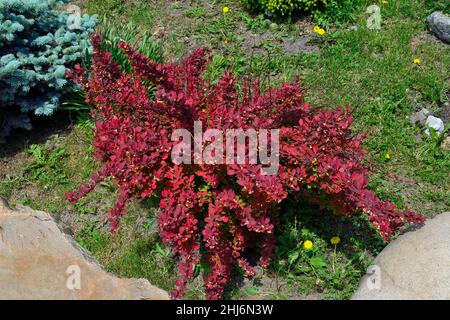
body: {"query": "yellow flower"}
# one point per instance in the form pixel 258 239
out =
pixel 335 240
pixel 388 156
pixel 225 9
pixel 321 32
pixel 225 41
pixel 416 61
pixel 316 29
pixel 384 2
pixel 308 245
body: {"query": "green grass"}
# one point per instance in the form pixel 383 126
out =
pixel 326 270
pixel 371 70
pixel 129 254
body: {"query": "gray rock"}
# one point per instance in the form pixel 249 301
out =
pixel 439 25
pixel 38 261
pixel 415 266
pixel 436 123
pixel 419 116
pixel 273 26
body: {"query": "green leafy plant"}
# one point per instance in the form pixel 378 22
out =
pixel 46 165
pixel 319 264
pixel 285 7
pixel 324 12
pixel 339 11
pixel 130 33
pixel 442 5
pixel 258 24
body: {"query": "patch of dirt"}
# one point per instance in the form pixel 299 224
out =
pixel 14 157
pixel 444 112
pixel 444 109
pixel 268 287
pixel 174 19
pixel 250 41
pixel 412 190
pixel 43 128
pixel 300 44
pixel 415 99
pixel 69 224
pixel 423 37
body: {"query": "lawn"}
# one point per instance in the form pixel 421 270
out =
pixel 373 71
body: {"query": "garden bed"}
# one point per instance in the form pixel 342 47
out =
pixel 373 71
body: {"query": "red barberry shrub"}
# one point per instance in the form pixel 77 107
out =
pixel 217 212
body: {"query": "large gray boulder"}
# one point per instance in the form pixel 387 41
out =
pixel 439 25
pixel 415 266
pixel 38 261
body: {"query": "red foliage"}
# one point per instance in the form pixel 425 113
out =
pixel 220 211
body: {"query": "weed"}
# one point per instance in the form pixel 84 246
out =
pixel 46 166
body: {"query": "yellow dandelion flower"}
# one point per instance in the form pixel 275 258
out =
pixel 388 156
pixel 416 61
pixel 335 240
pixel 308 245
pixel 225 9
pixel 321 32
pixel 384 2
pixel 316 29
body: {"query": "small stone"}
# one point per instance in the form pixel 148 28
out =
pixel 446 144
pixel 436 123
pixel 419 116
pixel 439 25
pixel 419 137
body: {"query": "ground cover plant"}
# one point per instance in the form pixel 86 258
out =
pixel 371 70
